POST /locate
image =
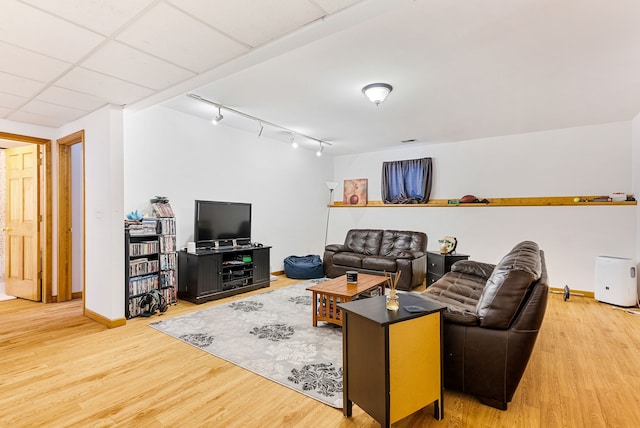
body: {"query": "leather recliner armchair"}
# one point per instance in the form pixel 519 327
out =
pixel 492 320
pixel 377 251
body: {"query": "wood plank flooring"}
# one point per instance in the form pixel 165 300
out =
pixel 59 369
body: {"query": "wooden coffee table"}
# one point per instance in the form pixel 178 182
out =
pixel 327 295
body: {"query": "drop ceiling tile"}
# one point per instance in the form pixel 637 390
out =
pixel 59 112
pixel 173 36
pixel 332 6
pixel 11 101
pixel 30 28
pixel 4 111
pixel 15 85
pixel 101 16
pixel 37 119
pixel 28 64
pixel 252 22
pixel 126 63
pixel 115 91
pixel 69 98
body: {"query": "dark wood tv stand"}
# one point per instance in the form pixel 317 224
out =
pixel 215 274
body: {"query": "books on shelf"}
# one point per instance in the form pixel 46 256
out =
pixel 143 266
pixel 142 227
pixel 162 209
pixel 143 248
pixel 168 278
pixel 167 226
pixel 168 261
pixel 142 284
pixel 167 243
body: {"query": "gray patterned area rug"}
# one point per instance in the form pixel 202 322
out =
pixel 270 334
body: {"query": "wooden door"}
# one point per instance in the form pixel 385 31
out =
pixel 22 273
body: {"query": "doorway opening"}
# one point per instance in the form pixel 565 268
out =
pixel 41 254
pixel 71 278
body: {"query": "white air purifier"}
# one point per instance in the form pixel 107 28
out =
pixel 616 281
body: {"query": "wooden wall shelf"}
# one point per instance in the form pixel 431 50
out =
pixel 497 202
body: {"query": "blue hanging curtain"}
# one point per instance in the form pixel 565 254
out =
pixel 407 181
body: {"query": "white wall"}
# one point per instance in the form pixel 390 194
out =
pixel 104 214
pixel 635 158
pixel 590 160
pixel 168 153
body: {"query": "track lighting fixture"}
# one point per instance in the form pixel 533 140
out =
pixel 377 92
pixel 262 123
pixel 218 118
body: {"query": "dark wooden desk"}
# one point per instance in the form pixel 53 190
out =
pixel 392 361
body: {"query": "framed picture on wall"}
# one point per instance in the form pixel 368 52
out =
pixel 355 192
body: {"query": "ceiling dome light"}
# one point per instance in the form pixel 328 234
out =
pixel 377 92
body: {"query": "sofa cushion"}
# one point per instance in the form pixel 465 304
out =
pixel 472 267
pixel 379 263
pixel 364 241
pixel 402 243
pixel 348 259
pixel 460 293
pixel 508 285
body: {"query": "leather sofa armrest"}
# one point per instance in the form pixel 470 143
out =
pixel 471 267
pixel 336 248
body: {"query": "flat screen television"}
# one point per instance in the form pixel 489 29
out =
pixel 222 222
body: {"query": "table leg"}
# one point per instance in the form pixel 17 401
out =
pixel 347 409
pixel 315 308
pixel 438 409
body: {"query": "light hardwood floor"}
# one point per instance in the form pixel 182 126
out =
pixel 58 368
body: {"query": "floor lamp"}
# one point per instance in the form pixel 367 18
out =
pixel 330 185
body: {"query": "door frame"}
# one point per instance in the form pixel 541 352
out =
pixel 46 210
pixel 65 245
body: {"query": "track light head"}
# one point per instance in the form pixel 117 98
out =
pixel 218 117
pixel 294 143
pixel 319 152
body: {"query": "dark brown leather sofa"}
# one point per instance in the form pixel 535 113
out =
pixel 493 316
pixel 375 251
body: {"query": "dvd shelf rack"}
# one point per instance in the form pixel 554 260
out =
pixel 168 257
pixel 142 262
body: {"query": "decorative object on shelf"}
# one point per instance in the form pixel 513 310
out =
pixel 392 298
pixel 618 196
pixel 468 199
pixel 448 244
pixel 377 92
pixel 135 215
pixel 355 192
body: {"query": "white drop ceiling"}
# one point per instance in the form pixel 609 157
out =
pixel 461 69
